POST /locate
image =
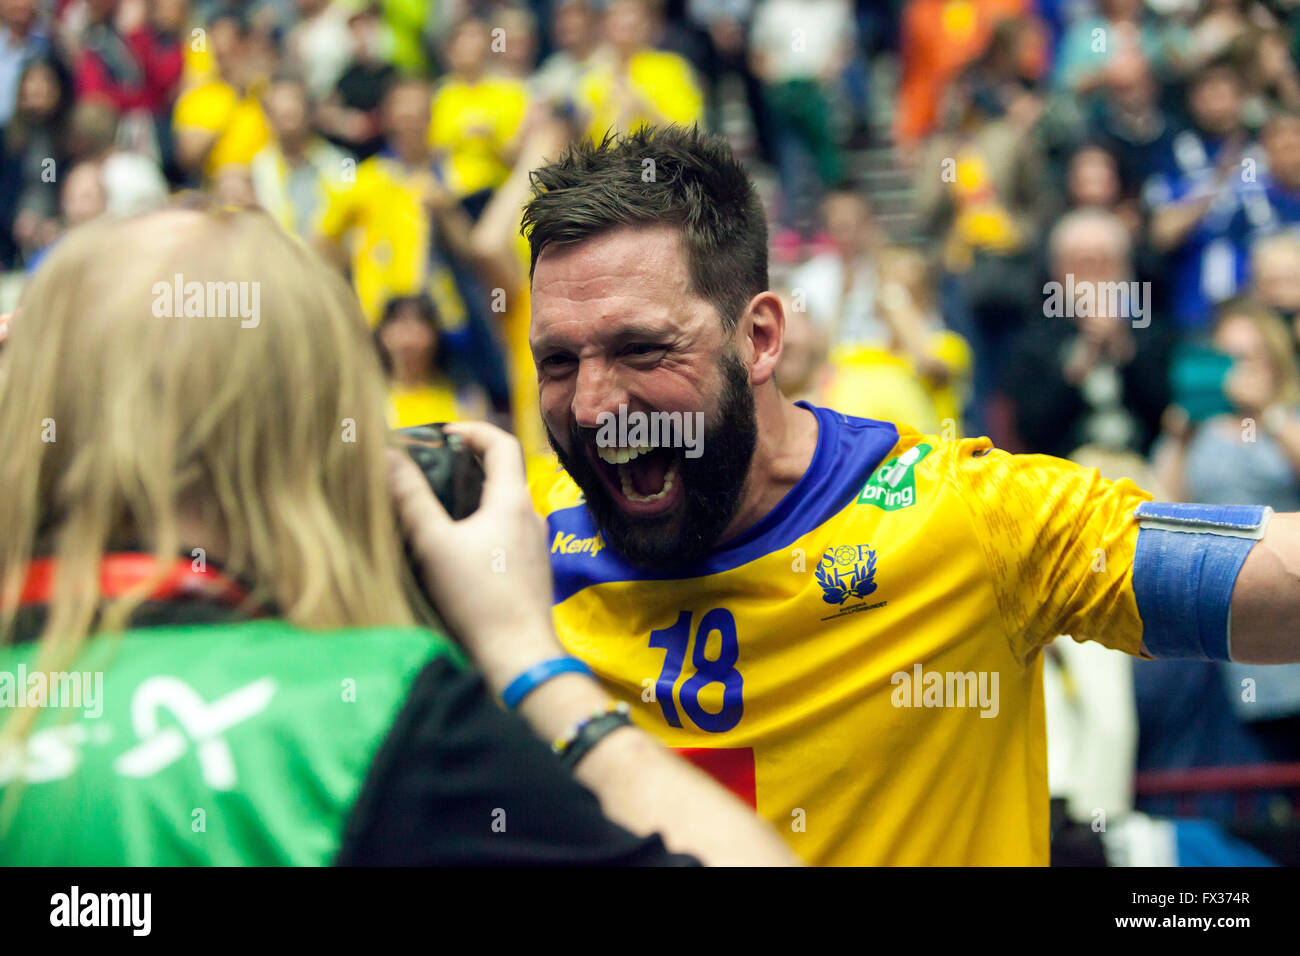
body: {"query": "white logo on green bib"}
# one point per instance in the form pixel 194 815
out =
pixel 202 723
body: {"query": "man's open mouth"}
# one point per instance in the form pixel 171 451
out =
pixel 644 481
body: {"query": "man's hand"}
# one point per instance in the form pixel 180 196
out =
pixel 489 574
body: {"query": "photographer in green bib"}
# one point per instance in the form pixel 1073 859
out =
pixel 211 649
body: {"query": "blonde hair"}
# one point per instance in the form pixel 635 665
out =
pixel 122 428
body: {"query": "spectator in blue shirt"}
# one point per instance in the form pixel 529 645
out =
pixel 1271 204
pixel 1194 200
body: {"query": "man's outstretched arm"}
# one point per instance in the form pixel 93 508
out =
pixel 1266 600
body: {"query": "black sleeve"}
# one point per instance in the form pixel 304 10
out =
pixel 461 782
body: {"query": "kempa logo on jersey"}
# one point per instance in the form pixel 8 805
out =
pixel 572 544
pixel 892 486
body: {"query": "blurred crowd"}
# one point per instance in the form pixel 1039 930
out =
pixel 1094 251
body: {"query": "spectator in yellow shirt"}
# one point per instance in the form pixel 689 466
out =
pixel 636 85
pixel 220 123
pixel 381 223
pixel 410 342
pixel 477 114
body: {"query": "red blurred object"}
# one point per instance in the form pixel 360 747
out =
pixel 1185 785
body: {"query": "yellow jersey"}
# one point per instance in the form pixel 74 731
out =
pixel 237 119
pixel 381 213
pixel 435 401
pixel 474 125
pixel 662 79
pixel 862 665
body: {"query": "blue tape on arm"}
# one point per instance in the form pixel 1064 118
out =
pixel 1184 570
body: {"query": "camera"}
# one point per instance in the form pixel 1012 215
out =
pixel 451 469
pixel 455 476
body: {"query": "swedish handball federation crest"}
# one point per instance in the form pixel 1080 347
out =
pixel 846 571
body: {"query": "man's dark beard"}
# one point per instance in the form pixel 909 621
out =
pixel 714 483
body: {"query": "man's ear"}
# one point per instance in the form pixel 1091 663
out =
pixel 764 326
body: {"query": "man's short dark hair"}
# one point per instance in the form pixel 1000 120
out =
pixel 694 183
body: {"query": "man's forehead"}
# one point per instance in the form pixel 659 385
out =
pixel 628 280
pixel 630 251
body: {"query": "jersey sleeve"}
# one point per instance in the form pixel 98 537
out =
pixel 1059 541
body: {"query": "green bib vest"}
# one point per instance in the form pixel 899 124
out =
pixel 216 744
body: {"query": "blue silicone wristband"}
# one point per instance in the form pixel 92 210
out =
pixel 534 677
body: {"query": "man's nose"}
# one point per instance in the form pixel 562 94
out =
pixel 597 390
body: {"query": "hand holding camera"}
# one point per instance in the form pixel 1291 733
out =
pixel 488 573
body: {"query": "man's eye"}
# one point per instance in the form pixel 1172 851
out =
pixel 645 349
pixel 556 363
